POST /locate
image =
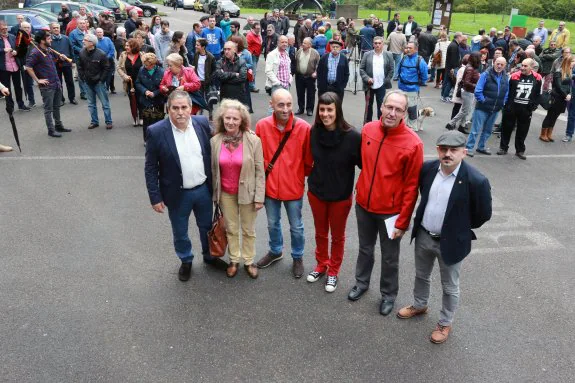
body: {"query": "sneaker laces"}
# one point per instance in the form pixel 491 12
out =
pixel 331 280
pixel 315 274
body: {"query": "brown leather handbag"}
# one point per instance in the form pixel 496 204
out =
pixel 217 238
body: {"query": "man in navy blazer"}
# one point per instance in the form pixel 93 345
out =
pixel 455 198
pixel 178 176
pixel 335 80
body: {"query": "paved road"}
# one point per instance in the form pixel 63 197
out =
pixel 90 293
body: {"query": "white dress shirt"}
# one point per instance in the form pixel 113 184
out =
pixel 408 30
pixel 190 153
pixel 437 201
pixel 378 71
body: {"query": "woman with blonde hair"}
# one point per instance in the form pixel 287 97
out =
pixel 441 45
pixel 177 76
pixel 151 100
pixel 560 96
pixel 238 179
pixel 319 42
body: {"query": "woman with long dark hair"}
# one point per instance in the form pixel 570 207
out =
pixel 335 147
pixel 466 91
pixel 178 45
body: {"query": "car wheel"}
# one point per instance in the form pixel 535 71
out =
pixel 147 13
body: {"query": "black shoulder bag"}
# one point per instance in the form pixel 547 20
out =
pixel 279 149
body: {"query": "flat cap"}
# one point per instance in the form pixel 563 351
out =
pixel 300 17
pixel 340 43
pixel 452 138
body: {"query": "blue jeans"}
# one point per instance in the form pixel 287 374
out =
pixel 482 124
pixel 273 212
pixel 447 84
pixel 198 200
pixel 570 119
pixel 98 90
pixel 397 59
pixel 81 84
pixel 255 60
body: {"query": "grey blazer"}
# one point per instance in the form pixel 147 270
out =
pixel 366 69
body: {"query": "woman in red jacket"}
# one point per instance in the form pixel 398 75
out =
pixel 179 77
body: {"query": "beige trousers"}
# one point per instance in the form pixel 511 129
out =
pixel 236 215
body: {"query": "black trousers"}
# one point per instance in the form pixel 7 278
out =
pixel 305 88
pixel 5 78
pixel 370 94
pixel 66 72
pixel 520 114
pixel 334 89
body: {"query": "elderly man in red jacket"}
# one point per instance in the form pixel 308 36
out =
pixel 391 157
pixel 287 158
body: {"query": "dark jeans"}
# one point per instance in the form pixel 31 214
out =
pixel 52 99
pixel 199 201
pixel 570 119
pixel 305 88
pixel 111 86
pixel 447 85
pixel 28 86
pixel 369 225
pixel 66 72
pixel 5 78
pixel 370 94
pixel 520 115
pixel 556 108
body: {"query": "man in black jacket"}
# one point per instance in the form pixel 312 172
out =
pixel 333 71
pixel 524 90
pixel 426 42
pixel 232 72
pixel 93 69
pixel 455 198
pixel 392 25
pixel 409 27
pixel 451 64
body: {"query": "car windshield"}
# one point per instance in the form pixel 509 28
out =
pixel 109 3
pixel 42 20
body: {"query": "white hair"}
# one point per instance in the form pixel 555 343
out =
pixel 120 31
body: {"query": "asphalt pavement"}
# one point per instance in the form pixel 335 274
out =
pixel 89 288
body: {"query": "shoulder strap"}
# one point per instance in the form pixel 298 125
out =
pixel 280 148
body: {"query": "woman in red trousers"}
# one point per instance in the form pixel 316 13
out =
pixel 335 147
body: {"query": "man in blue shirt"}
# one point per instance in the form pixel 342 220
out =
pixel 194 35
pixel 106 45
pixel 366 35
pixel 61 43
pixel 411 72
pixel 215 37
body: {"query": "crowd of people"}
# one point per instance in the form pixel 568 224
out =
pixel 194 160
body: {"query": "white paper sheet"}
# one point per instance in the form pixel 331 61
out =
pixel 390 224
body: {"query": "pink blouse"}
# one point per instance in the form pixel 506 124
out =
pixel 230 168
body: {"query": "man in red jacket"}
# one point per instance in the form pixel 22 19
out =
pixel 391 156
pixel 285 178
pixel 254 39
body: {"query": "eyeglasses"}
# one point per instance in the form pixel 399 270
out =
pixel 390 109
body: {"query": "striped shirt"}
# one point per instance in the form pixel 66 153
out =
pixel 43 65
pixel 332 62
pixel 284 69
pixel 10 61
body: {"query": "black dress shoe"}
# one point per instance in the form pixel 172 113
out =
pixel 61 129
pixel 73 102
pixel 185 272
pixel 355 293
pixel 386 307
pixel 53 133
pixel 217 263
pixel 299 112
pixel 83 98
pixel 310 113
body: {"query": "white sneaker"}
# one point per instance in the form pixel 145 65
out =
pixel 314 276
pixel 331 283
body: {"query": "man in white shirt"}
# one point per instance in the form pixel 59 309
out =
pixel 178 176
pixel 376 71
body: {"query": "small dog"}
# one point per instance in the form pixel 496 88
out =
pixel 422 114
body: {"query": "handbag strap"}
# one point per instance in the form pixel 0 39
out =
pixel 280 148
pixel 217 212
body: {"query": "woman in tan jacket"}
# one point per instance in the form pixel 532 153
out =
pixel 238 181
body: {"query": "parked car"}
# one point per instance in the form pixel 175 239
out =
pixel 130 7
pixel 37 21
pixel 55 6
pixel 198 6
pixel 230 7
pixel 148 9
pixel 168 3
pixel 189 4
pixel 116 6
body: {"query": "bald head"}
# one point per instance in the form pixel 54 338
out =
pixel 281 104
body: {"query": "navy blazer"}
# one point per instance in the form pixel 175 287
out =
pixel 469 207
pixel 12 41
pixel 163 169
pixel 341 77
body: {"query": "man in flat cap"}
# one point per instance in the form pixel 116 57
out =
pixel 455 198
pixel 333 71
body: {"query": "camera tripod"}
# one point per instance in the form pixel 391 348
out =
pixel 354 60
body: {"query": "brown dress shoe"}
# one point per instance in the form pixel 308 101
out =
pixel 232 269
pixel 410 312
pixel 297 268
pixel 268 259
pixel 440 334
pixel 252 271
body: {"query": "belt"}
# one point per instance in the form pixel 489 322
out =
pixel 433 236
pixel 194 188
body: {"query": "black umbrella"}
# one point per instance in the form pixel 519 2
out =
pixel 133 102
pixel 10 110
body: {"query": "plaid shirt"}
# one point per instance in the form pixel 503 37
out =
pixel 43 65
pixel 332 62
pixel 284 69
pixel 10 61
